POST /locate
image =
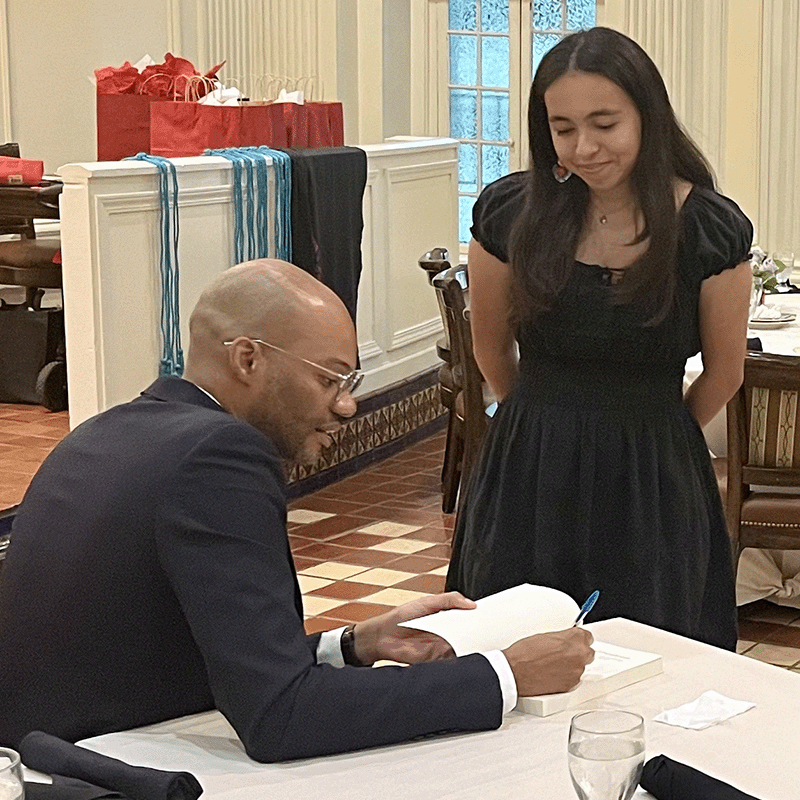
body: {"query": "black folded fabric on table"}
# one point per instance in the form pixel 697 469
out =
pixel 54 756
pixel 69 789
pixel 670 780
pixel 755 344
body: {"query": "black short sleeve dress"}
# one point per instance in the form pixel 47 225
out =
pixel 593 473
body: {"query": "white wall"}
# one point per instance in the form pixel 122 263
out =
pixel 53 48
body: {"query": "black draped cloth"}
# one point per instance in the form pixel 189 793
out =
pixel 327 221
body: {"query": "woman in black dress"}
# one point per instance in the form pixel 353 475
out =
pixel 605 266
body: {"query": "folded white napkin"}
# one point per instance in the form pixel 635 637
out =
pixel 767 312
pixel 709 709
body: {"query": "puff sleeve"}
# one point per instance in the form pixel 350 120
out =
pixel 718 234
pixel 495 211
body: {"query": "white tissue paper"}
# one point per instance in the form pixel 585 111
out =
pixel 221 96
pixel 291 97
pixel 709 709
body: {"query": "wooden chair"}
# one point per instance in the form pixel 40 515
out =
pixel 764 451
pixel 473 399
pixel 433 262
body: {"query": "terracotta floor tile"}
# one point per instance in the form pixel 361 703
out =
pixel 431 584
pixel 437 551
pixel 326 528
pixel 360 540
pixel 303 562
pixel 755 631
pixel 321 504
pixel 433 535
pixel 786 635
pixel 357 612
pixel 346 590
pixel 318 624
pixel 395 469
pixel 364 558
pixel 323 552
pixel 420 564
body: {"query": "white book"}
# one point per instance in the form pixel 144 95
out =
pixel 613 668
pixel 503 618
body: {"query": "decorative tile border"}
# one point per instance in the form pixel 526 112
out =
pixel 386 422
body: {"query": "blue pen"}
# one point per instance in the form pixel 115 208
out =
pixel 587 606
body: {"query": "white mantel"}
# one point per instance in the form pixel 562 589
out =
pixel 110 243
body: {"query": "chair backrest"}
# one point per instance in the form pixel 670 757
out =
pixel 433 262
pixel 763 430
pixel 452 286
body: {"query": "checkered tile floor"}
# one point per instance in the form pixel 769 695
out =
pixel 369 542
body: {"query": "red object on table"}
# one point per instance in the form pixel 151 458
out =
pixel 128 124
pixel 20 171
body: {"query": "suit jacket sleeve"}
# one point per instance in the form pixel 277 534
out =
pixel 222 542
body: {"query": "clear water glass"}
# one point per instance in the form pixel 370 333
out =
pixel 11 783
pixel 605 754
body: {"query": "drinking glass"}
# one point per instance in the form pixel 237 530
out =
pixel 786 258
pixel 11 785
pixel 606 754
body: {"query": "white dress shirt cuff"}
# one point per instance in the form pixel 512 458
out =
pixel 329 649
pixel 508 686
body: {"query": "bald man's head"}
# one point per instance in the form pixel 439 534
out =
pixel 279 393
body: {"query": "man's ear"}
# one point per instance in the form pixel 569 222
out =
pixel 244 357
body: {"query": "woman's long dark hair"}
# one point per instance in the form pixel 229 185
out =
pixel 546 236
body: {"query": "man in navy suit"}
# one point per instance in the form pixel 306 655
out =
pixel 149 574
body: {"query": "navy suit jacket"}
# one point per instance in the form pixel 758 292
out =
pixel 149 576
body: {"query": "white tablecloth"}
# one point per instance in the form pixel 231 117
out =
pixel 527 757
pixel 763 574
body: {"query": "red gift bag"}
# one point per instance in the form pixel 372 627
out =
pixel 314 124
pixel 128 124
pixel 187 129
pixel 123 125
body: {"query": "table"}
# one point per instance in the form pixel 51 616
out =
pixel 756 751
pixel 769 574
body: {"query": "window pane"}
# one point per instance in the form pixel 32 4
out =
pixel 542 42
pixel 468 168
pixel 463 15
pixel 581 14
pixel 494 109
pixel 463 60
pixel 494 61
pixel 465 217
pixel 547 15
pixel 494 15
pixel 495 162
pixel 463 114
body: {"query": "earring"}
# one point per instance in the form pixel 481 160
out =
pixel 561 173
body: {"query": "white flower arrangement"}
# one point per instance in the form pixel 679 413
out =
pixel 765 268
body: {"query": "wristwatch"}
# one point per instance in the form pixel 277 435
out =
pixel 348 645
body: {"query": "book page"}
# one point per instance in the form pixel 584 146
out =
pixel 501 619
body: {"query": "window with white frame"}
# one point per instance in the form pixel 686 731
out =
pixel 494 48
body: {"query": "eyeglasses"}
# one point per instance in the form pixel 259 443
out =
pixel 347 383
